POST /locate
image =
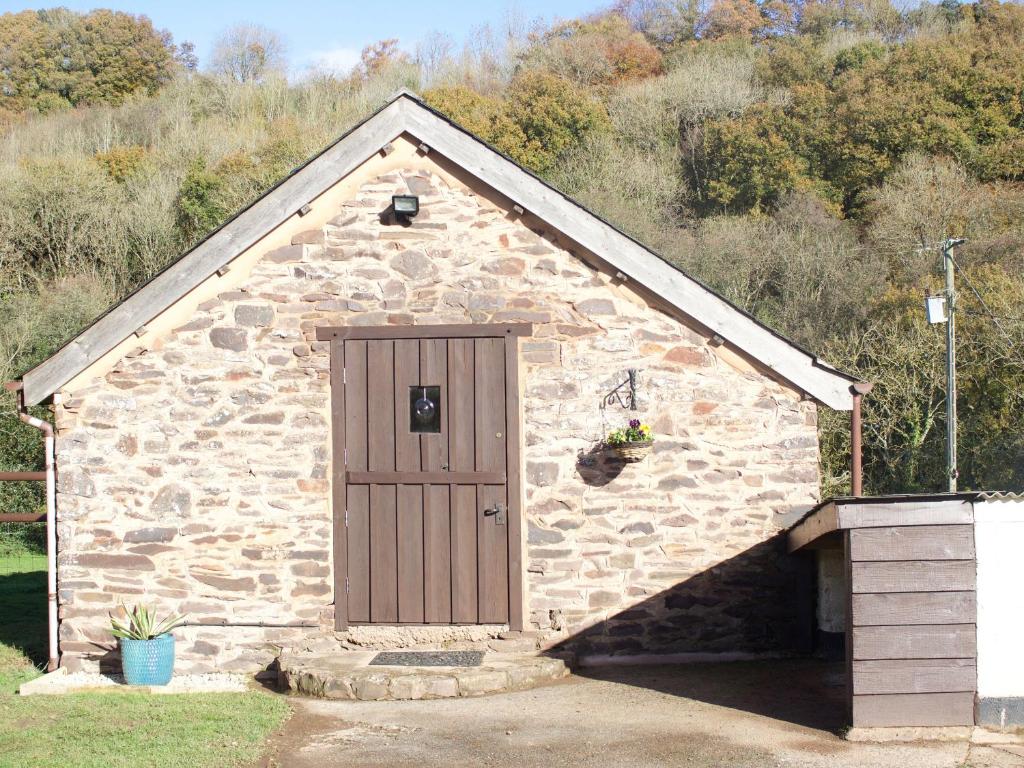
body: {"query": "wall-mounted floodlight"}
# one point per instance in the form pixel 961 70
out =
pixel 935 309
pixel 405 206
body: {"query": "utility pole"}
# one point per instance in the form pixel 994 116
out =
pixel 949 266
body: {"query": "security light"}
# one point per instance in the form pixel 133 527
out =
pixel 405 206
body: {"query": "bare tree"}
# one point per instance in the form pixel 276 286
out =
pixel 247 53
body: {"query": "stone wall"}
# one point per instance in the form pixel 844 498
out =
pixel 195 473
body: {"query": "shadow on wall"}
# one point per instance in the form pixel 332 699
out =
pixel 759 602
pixel 597 466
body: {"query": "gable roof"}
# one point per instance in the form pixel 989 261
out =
pixel 406 113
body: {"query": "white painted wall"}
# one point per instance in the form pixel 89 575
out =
pixel 831 590
pixel 999 541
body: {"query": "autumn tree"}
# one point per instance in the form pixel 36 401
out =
pixel 376 57
pixel 667 24
pixel 732 18
pixel 248 53
pixel 57 58
pixel 597 52
pixel 540 118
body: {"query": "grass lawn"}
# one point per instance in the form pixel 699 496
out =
pixel 110 730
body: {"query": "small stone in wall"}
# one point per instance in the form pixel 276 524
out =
pixel 674 483
pixel 254 315
pixel 595 307
pixel 285 254
pixel 127 445
pixel 242 584
pixel 309 237
pixel 639 527
pixel 150 535
pixel 539 535
pixel 173 499
pixel 420 186
pixel 509 266
pixel 685 356
pixel 233 339
pixel 105 560
pixel 343 219
pixel 412 264
pixel 76 483
pixel 541 473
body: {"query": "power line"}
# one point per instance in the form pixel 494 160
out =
pixel 981 300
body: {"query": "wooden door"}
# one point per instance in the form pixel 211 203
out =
pixel 427 428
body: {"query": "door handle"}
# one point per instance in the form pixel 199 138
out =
pixel 497 512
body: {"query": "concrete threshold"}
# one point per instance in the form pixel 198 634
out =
pixel 348 675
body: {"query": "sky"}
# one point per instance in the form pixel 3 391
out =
pixel 328 34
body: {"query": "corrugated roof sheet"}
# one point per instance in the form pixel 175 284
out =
pixel 1000 496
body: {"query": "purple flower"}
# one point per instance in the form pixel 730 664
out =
pixel 634 423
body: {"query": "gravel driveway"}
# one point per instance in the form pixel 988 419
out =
pixel 749 714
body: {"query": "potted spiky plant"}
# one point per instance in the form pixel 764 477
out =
pixel 147 645
pixel 631 443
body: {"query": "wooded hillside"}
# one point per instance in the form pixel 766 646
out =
pixel 805 159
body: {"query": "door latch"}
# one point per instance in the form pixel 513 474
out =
pixel 498 513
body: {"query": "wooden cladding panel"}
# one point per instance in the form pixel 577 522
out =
pixel 434 373
pixel 903 608
pixel 900 513
pixel 383 554
pixel 461 405
pixel 940 641
pixel 380 405
pixel 913 709
pixel 355 406
pixel 913 576
pixel 923 542
pixel 407 374
pixel 492 555
pixel 409 519
pixel 437 556
pixel 914 676
pixel 464 548
pixel 359 553
pixel 489 370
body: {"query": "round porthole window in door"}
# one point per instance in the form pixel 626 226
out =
pixel 425 409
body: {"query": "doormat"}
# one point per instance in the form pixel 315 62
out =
pixel 428 658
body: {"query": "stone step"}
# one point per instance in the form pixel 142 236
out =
pixel 349 676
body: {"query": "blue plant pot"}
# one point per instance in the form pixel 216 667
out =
pixel 148 662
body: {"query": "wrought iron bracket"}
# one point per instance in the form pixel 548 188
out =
pixel 624 394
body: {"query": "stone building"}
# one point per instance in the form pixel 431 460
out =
pixel 334 424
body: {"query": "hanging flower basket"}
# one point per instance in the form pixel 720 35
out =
pixel 632 443
pixel 633 451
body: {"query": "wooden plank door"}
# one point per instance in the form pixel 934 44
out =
pixel 429 537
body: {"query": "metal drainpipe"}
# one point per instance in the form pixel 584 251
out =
pixel 856 460
pixel 51 525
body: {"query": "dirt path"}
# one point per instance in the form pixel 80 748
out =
pixel 702 715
